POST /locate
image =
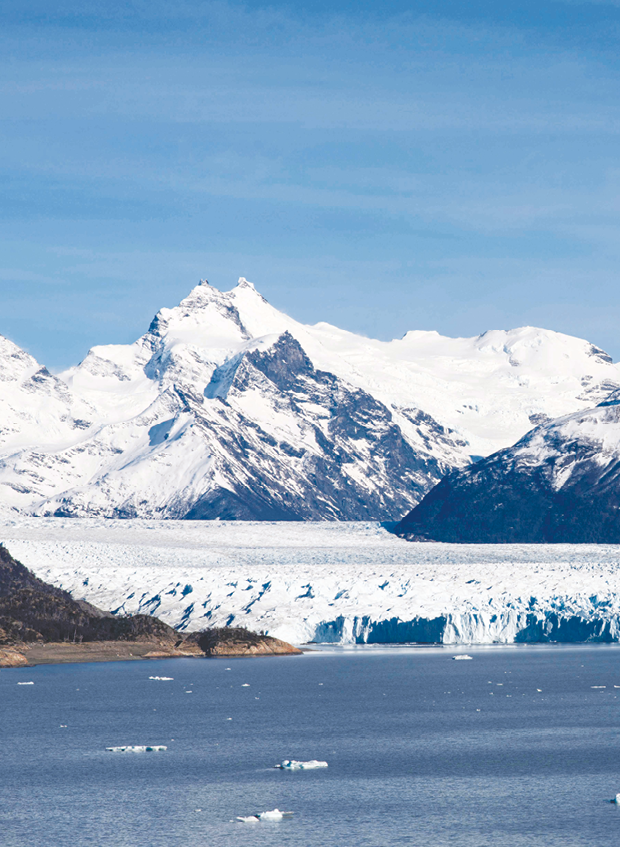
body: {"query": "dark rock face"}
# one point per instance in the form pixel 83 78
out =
pixel 276 480
pixel 267 437
pixel 560 483
pixel 31 610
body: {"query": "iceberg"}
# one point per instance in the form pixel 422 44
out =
pixel 294 765
pixel 155 748
pixel 273 815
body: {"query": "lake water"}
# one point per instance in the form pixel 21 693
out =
pixel 422 750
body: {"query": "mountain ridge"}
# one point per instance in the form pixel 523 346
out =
pixel 559 484
pixel 228 408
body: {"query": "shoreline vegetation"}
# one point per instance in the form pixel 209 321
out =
pixel 41 624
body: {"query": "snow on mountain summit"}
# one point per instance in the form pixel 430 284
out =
pixel 227 407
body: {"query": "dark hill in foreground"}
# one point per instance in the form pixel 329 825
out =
pixel 31 610
pixel 559 483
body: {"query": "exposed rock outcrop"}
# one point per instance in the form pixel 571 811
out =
pixel 236 641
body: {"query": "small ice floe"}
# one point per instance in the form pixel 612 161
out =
pixel 273 815
pixel 25 683
pixel 163 678
pixel 462 658
pixel 294 765
pixel 138 748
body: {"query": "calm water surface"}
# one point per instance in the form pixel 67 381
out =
pixel 422 750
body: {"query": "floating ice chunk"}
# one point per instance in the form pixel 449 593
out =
pixel 461 658
pixel 273 815
pixel 294 765
pixel 156 748
pixel 25 683
pixel 163 678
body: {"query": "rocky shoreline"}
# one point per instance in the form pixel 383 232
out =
pixel 210 644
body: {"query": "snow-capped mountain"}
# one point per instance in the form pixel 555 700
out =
pixel 228 408
pixel 35 406
pixel 560 483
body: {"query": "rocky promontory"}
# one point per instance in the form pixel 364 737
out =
pixel 237 641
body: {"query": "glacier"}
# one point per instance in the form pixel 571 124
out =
pixel 328 582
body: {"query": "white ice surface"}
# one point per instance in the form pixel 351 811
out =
pixel 329 582
pixel 294 765
pixel 138 748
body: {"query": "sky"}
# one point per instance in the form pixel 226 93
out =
pixel 383 166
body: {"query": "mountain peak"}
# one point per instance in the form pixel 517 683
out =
pixel 244 283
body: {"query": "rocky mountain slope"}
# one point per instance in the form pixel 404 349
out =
pixel 228 408
pixel 560 483
pixel 34 611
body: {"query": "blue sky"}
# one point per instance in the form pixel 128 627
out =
pixel 382 166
